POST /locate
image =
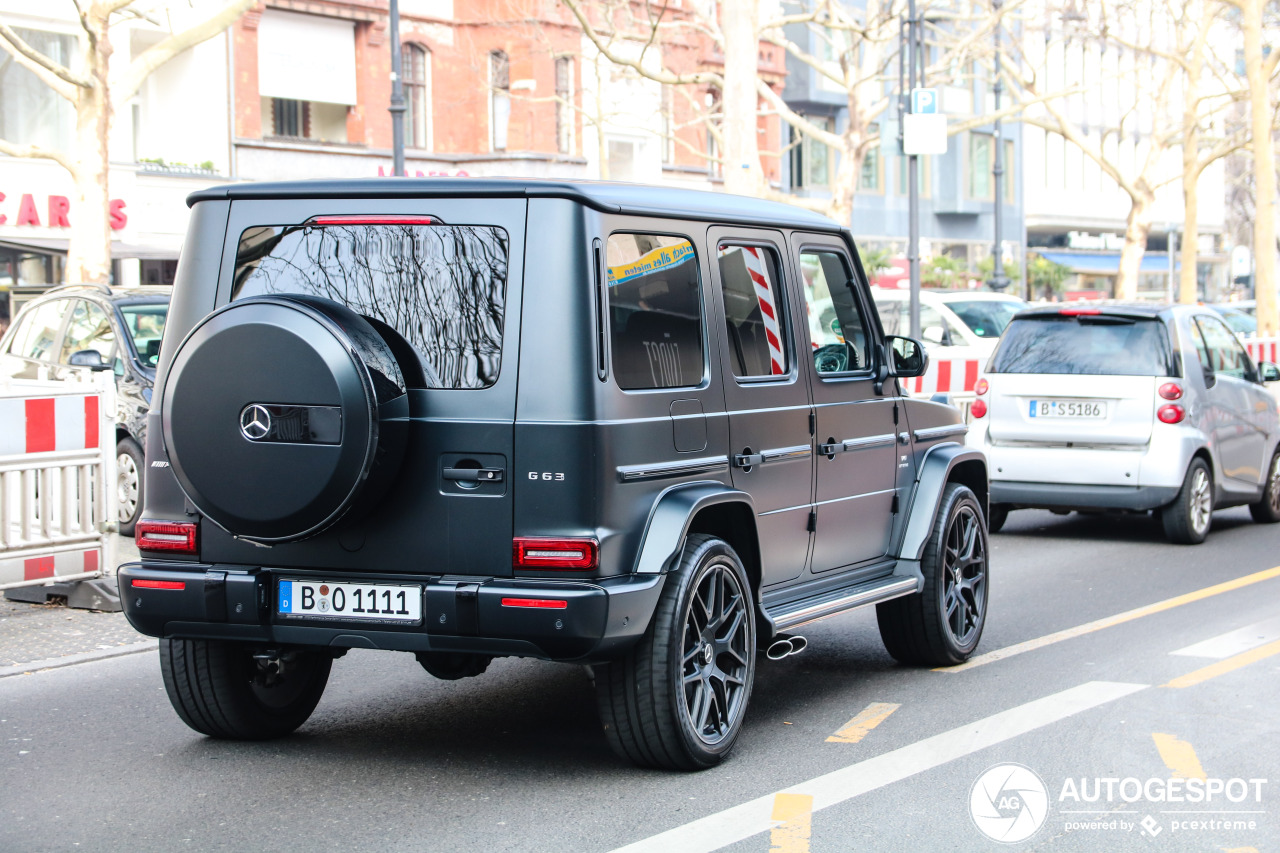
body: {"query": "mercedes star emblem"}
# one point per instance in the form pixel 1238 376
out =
pixel 255 422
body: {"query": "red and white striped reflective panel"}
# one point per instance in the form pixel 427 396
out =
pixel 1263 349
pixel 946 376
pixel 45 424
pixel 50 567
pixel 759 270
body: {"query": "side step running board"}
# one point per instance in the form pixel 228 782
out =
pixel 793 613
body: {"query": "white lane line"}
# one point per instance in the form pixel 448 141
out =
pixel 754 817
pixel 1234 642
pixel 76 659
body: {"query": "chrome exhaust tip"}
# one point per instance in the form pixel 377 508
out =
pixel 786 645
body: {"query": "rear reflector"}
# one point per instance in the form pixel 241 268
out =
pixel 1076 312
pixel 580 554
pixel 978 409
pixel 373 219
pixel 981 388
pixel 1171 414
pixel 1171 391
pixel 545 603
pixel 176 537
pixel 143 583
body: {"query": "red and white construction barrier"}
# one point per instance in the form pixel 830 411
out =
pixel 1263 349
pixel 57 481
pixel 946 376
pixel 46 424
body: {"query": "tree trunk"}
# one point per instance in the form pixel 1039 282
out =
pixel 89 252
pixel 1264 169
pixel 1136 230
pixel 846 179
pixel 742 172
pixel 1191 226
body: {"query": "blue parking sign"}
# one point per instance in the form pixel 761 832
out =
pixel 924 101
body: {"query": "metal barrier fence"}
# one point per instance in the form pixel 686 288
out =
pixel 57 481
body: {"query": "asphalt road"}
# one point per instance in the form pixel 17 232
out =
pixel 1077 681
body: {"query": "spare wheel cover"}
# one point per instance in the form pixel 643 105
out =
pixel 270 414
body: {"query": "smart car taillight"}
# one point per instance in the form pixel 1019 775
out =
pixel 978 409
pixel 1171 414
pixel 982 387
pixel 174 537
pixel 1170 391
pixel 575 554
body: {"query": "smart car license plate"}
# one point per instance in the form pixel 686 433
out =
pixel 1075 409
pixel 355 602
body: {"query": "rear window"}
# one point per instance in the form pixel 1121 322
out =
pixel 987 318
pixel 442 287
pixel 1094 345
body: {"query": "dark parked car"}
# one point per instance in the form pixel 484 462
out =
pixel 579 422
pixel 95 327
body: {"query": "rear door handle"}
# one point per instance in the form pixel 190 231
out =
pixel 474 475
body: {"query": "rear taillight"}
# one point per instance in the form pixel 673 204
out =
pixel 373 219
pixel 1171 414
pixel 174 537
pixel 536 603
pixel 981 388
pixel 1170 391
pixel 978 409
pixel 1078 312
pixel 576 554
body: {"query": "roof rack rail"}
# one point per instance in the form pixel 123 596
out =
pixel 96 285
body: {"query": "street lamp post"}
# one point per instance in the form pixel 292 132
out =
pixel 910 55
pixel 999 281
pixel 397 107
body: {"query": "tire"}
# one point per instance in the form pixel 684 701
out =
pixel 220 690
pixel 678 699
pixel 1188 518
pixel 129 484
pixel 1267 510
pixel 997 515
pixel 942 624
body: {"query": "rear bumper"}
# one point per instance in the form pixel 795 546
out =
pixel 600 620
pixel 1068 496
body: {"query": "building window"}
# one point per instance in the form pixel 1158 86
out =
pixel 668 125
pixel 289 118
pixel 715 112
pixel 30 112
pixel 415 70
pixel 981 148
pixel 871 177
pixel 812 162
pixel 565 117
pixel 924 168
pixel 499 99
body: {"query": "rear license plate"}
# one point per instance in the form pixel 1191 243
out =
pixel 1076 409
pixel 350 602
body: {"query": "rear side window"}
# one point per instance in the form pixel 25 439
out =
pixel 655 311
pixel 442 287
pixel 88 329
pixel 753 311
pixel 1100 345
pixel 39 331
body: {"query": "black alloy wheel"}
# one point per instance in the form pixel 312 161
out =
pixel 715 677
pixel 942 624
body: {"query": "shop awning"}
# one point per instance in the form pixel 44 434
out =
pixel 306 58
pixel 59 245
pixel 1104 263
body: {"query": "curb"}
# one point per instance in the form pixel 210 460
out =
pixel 73 660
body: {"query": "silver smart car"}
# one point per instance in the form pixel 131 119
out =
pixel 1128 407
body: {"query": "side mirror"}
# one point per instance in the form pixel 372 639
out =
pixel 1268 372
pixel 1210 378
pixel 906 356
pixel 89 358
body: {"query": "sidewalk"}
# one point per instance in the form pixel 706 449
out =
pixel 36 636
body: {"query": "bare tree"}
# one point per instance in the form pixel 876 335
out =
pixel 94 90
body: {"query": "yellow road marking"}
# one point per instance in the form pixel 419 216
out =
pixel 858 728
pixel 1224 666
pixel 796 813
pixel 1109 621
pixel 1179 756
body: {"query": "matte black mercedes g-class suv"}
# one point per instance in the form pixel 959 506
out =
pixel 648 430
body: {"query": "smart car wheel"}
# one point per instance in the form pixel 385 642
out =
pixel 942 624
pixel 678 699
pixel 1187 519
pixel 281 413
pixel 227 690
pixel 1267 510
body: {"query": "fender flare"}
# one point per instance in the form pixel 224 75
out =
pixel 934 474
pixel 669 519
